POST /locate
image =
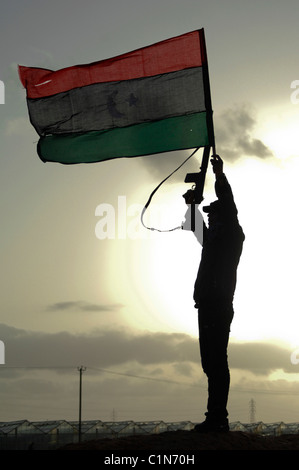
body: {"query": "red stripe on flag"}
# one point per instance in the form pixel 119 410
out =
pixel 173 54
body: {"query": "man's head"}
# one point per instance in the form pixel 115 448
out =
pixel 220 213
pixel 213 208
pixel 214 212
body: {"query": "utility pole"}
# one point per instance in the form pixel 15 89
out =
pixel 81 370
pixel 113 415
pixel 252 410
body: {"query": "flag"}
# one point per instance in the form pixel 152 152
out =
pixel 151 100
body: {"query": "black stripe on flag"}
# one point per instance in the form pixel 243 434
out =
pixel 105 106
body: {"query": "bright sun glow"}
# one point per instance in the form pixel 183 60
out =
pixel 156 274
pixel 279 131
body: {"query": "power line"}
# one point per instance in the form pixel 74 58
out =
pixel 232 388
pixel 145 377
pixel 103 370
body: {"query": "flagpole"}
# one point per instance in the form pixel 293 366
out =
pixel 199 185
pixel 207 90
pixel 199 179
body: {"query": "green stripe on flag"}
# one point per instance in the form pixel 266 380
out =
pixel 174 133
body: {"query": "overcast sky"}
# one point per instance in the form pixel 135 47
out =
pixel 122 306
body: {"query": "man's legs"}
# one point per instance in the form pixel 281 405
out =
pixel 213 348
pixel 213 341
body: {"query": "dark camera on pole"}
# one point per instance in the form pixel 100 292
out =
pixel 195 195
pixel 197 190
pixel 192 177
pixel 198 179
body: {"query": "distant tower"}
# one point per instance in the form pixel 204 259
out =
pixel 252 410
pixel 113 415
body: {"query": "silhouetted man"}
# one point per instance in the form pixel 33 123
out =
pixel 213 294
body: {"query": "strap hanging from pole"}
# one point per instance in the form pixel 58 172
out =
pixel 156 189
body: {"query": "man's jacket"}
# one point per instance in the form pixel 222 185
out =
pixel 222 248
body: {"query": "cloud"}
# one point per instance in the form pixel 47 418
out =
pixel 142 376
pixel 83 306
pixel 114 348
pixel 261 358
pixel 234 134
pixel 105 348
